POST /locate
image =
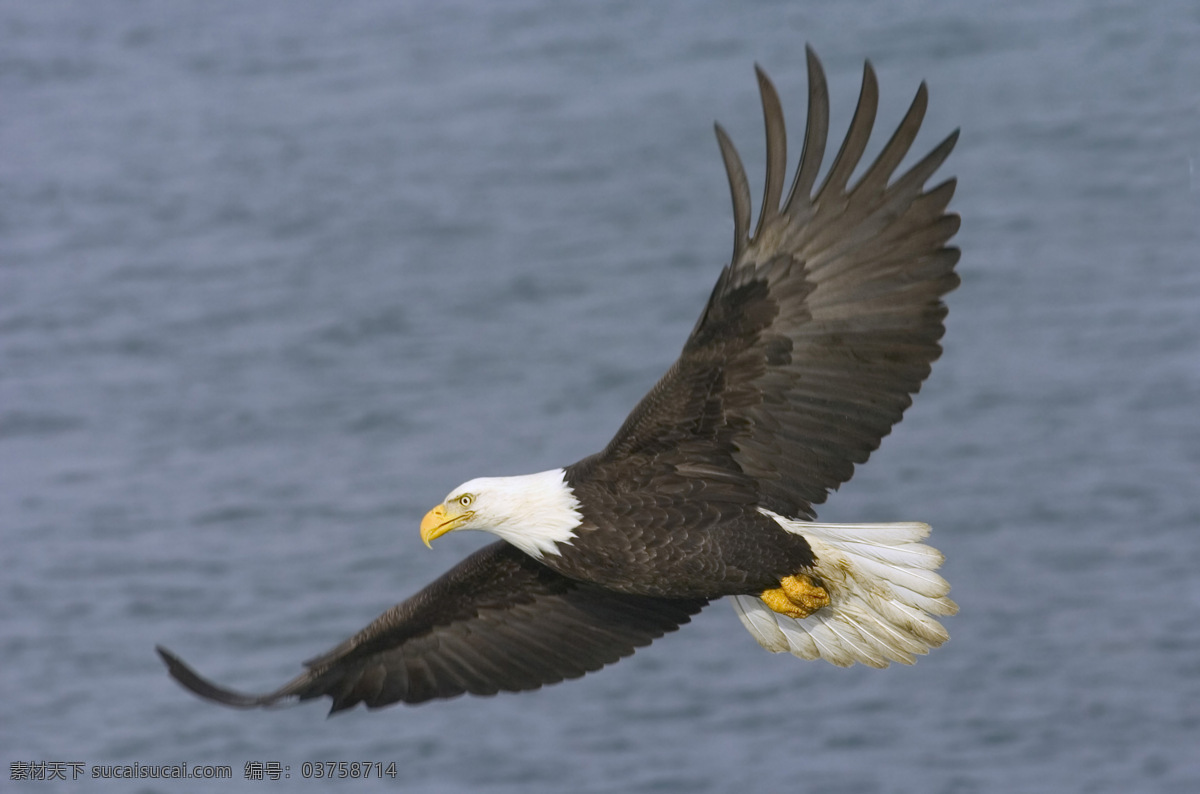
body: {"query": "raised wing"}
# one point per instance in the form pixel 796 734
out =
pixel 825 324
pixel 497 622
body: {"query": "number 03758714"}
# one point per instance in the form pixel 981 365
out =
pixel 330 770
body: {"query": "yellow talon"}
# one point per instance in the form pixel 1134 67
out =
pixel 797 597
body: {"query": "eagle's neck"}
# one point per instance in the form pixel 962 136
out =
pixel 534 512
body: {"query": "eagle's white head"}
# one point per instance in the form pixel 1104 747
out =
pixel 534 512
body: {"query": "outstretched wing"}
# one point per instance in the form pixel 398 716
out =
pixel 497 621
pixel 818 334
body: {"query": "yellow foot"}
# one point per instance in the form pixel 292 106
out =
pixel 797 596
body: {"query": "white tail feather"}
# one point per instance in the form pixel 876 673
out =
pixel 882 592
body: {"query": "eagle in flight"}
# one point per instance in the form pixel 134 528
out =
pixel 808 351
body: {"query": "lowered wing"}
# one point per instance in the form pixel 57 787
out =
pixel 497 622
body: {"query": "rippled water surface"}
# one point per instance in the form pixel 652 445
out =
pixel 275 276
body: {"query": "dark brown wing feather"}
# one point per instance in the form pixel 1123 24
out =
pixel 498 621
pixel 818 334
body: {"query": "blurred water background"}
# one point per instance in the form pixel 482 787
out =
pixel 274 276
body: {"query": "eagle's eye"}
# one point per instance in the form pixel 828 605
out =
pixel 466 499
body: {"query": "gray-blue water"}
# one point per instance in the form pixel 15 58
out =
pixel 275 276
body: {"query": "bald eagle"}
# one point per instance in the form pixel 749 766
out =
pixel 808 351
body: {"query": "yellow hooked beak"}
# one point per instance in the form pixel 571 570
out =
pixel 437 523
